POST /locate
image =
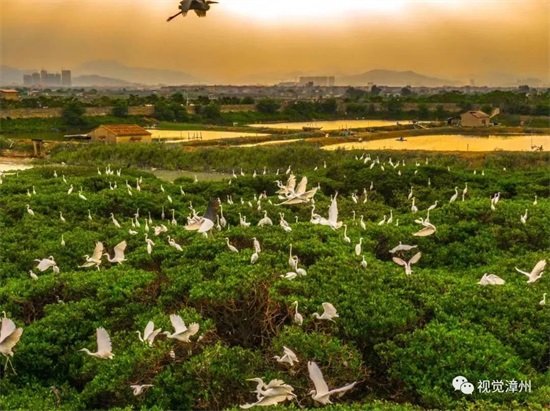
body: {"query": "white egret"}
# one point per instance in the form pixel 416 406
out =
pixel 383 221
pixel 95 259
pixel 29 210
pixel 455 196
pixel 362 223
pixel 390 219
pixel 364 262
pixel 328 314
pixel 271 394
pixel 33 275
pixel 543 301
pixel 465 191
pixel 433 206
pixel 358 247
pixel 407 265
pixel 428 230
pixel 181 331
pixel 414 208
pixel 523 218
pixel 104 347
pixel 150 244
pixel 231 247
pixel 291 275
pixel 140 389
pixel 536 273
pixel 254 258
pixel 321 393
pixel 283 223
pixel 410 194
pixel 71 188
pixel 298 318
pixel 81 196
pixel 205 223
pixel 89 215
pixel 119 253
pixel 173 221
pixel 402 247
pixel 115 222
pixel 149 334
pixel 536 201
pixel 346 238
pixel 61 217
pixel 491 279
pixel 62 241
pixel 256 245
pixel 174 244
pixel 265 220
pixel 45 263
pixel 9 337
pixel 289 357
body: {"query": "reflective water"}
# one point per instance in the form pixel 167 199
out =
pixel 452 143
pixel 177 136
pixel 14 166
pixel 332 125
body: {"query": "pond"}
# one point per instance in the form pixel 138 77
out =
pixel 183 136
pixel 13 166
pixel 333 125
pixel 452 143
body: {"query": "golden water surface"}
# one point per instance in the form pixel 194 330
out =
pixel 333 125
pixel 177 136
pixel 452 143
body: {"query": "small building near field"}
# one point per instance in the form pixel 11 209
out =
pixel 475 118
pixel 120 134
pixel 9 94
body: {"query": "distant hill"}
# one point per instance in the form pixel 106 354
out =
pixel 140 75
pixel 394 78
pixel 10 76
pixel 93 80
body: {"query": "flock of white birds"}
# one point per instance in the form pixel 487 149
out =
pixel 289 193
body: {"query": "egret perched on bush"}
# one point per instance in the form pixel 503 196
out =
pixel 358 247
pixel 491 279
pixel 265 220
pixel 9 336
pixel 328 314
pixel 321 393
pixel 298 319
pixel 289 357
pixel 536 273
pixel 174 244
pixel 181 331
pixel 104 347
pixel 29 210
pixel 232 248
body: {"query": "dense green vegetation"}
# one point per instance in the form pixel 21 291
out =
pixel 403 338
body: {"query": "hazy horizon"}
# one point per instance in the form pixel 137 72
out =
pixel 267 41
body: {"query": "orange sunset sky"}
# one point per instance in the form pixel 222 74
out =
pixel 274 40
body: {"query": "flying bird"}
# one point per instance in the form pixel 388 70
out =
pixel 104 347
pixel 536 273
pixel 205 223
pixel 328 314
pixel 149 334
pixel 321 393
pixel 9 336
pixel 491 279
pixel 407 265
pixel 199 6
pixel 181 331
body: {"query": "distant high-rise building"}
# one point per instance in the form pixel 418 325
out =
pixel 66 78
pixel 45 79
pixel 323 81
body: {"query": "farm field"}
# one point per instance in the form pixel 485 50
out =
pixel 402 337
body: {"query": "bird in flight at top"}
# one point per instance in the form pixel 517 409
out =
pixel 200 7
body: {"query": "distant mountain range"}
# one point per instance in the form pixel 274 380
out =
pixel 139 75
pixel 110 73
pixel 394 78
